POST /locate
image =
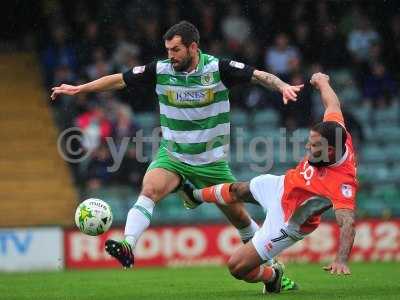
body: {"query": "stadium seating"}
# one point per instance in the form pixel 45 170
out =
pixel 35 185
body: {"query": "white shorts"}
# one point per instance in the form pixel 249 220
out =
pixel 272 238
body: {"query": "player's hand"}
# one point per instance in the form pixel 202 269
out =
pixel 338 268
pixel 64 89
pixel 289 92
pixel 319 78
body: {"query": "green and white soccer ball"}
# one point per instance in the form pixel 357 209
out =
pixel 93 216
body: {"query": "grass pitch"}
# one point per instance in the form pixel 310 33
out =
pixel 369 281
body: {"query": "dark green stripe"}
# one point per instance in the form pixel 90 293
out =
pixel 195 148
pixel 144 211
pixel 183 80
pixel 184 125
pixel 217 97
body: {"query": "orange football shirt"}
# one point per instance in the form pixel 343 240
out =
pixel 336 182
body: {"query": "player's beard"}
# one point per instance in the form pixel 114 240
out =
pixel 184 64
pixel 319 164
pixel 318 161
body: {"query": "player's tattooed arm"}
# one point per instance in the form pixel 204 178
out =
pixel 272 82
pixel 268 80
pixel 346 220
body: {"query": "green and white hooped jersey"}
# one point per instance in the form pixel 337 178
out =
pixel 194 107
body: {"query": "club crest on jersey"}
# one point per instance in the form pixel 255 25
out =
pixel 236 64
pixel 347 190
pixel 138 70
pixel 206 79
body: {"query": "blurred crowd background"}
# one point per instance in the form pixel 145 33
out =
pixel 356 42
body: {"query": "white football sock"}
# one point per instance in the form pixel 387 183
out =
pixel 248 232
pixel 138 219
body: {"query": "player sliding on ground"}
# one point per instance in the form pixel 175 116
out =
pixel 295 201
pixel 192 90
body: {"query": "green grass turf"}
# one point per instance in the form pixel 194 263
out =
pixel 369 281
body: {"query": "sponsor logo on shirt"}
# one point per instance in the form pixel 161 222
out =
pixel 190 97
pixel 138 70
pixel 308 172
pixel 347 190
pixel 236 64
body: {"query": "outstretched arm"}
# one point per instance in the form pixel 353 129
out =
pixel 329 98
pixel 106 83
pixel 272 82
pixel 345 219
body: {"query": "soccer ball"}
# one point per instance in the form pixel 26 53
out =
pixel 93 216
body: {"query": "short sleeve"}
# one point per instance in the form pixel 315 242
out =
pixel 141 75
pixel 335 117
pixel 345 198
pixel 234 73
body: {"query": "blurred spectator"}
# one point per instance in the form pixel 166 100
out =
pixel 322 11
pixel 123 126
pixel 58 53
pixel 266 26
pixel 131 171
pixel 126 53
pixel 298 114
pixel 395 27
pixel 97 170
pixel 299 11
pixel 172 15
pixel 63 74
pixel 235 27
pixel 252 53
pixel 379 87
pixel 217 48
pixel 331 49
pixel 100 66
pixel 89 42
pixel 302 39
pixel 278 57
pixel 150 39
pixel 375 53
pixel 393 46
pixel 95 127
pixel 256 97
pixel 361 39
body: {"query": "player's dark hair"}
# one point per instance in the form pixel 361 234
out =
pixel 186 30
pixel 331 131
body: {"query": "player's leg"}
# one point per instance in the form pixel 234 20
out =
pixel 157 184
pixel 217 173
pixel 264 189
pixel 246 264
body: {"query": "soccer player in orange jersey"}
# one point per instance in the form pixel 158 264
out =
pixel 326 177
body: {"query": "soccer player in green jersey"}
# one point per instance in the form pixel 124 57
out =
pixel 192 90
